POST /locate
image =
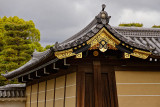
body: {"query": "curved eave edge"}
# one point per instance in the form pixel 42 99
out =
pixel 111 39
pixel 23 69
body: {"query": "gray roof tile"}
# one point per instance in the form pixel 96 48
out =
pixel 12 91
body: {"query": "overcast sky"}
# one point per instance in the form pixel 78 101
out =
pixel 59 19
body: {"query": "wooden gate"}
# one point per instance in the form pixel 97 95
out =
pixel 96 86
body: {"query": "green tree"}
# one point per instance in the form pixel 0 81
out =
pixel 156 26
pixel 18 39
pixel 1 34
pixel 48 46
pixel 131 24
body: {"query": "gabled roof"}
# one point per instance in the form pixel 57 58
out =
pixel 149 37
pixel 139 42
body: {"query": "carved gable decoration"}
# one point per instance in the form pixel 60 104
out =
pixel 102 41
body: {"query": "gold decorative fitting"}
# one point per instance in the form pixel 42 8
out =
pixel 140 54
pixel 123 44
pixel 126 55
pixel 79 46
pixel 131 48
pixel 75 48
pixel 103 46
pixel 79 55
pixel 83 44
pixel 102 42
pixel 64 54
pixel 127 46
pixel 103 49
pixel 104 35
pixel 95 53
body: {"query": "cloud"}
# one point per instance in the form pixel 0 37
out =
pixel 57 20
pixel 148 18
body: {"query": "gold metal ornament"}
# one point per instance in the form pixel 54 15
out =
pixel 103 46
pixel 64 54
pixel 104 35
pixel 141 54
pixel 79 55
pixel 126 55
pixel 95 53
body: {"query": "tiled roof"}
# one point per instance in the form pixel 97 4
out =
pixel 12 91
pixel 142 38
pixel 37 57
pixel 146 36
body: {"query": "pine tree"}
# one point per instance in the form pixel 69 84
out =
pixel 18 39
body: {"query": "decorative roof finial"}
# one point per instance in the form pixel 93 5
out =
pixel 103 7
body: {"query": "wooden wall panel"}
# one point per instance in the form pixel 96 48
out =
pixel 71 79
pixel 138 88
pixel 34 95
pixel 71 91
pixel 139 101
pixel 28 95
pixel 59 103
pixel 70 102
pixel 41 95
pixel 70 97
pixel 59 92
pixel 137 77
pixel 50 93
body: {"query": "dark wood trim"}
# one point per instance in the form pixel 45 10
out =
pixel 37 93
pixel 83 89
pixel 65 90
pixel 80 83
pixel 78 88
pixel 115 89
pixel 97 69
pixel 45 93
pixel 97 83
pixel 61 72
pixel 54 92
pixel 30 95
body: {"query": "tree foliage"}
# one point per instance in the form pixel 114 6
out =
pixel 156 26
pixel 131 24
pixel 18 40
pixel 48 46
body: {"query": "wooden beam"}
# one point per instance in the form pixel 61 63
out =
pixel 97 83
pixel 23 80
pixel 29 77
pixel 54 66
pixel 65 62
pixel 37 74
pixel 45 72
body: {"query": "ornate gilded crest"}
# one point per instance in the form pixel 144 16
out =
pixel 103 46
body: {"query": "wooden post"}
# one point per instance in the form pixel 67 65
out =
pixel 97 83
